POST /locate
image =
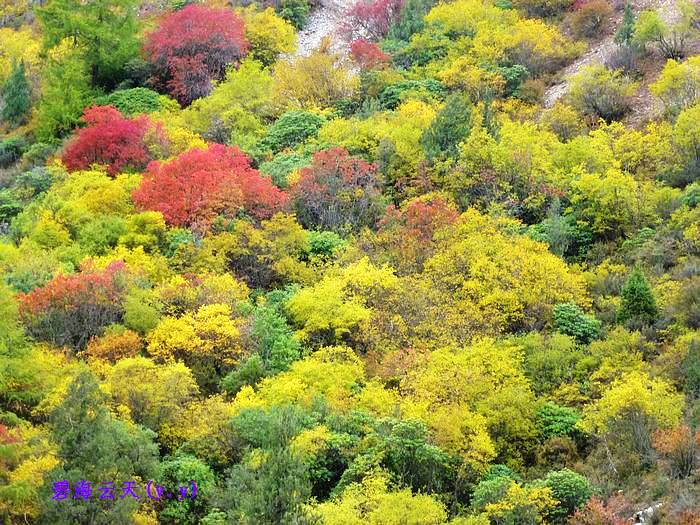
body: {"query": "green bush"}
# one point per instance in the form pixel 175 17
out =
pixel 570 489
pixel 325 244
pixel 638 302
pixel 282 165
pixel 490 491
pixel 554 420
pixel 136 101
pixel 542 8
pixel 16 94
pixel 291 129
pixel 36 155
pixel 569 319
pixel 450 127
pixel 598 92
pixel 10 206
pixel 11 150
pixel 295 12
pixel 393 95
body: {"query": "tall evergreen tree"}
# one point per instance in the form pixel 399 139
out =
pixel 451 126
pixel 95 449
pixel 411 20
pixel 105 30
pixel 65 91
pixel 17 96
pixel 638 303
pixel 626 30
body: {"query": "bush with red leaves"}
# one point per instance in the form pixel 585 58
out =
pixel 199 185
pixel 338 193
pixel 679 449
pixel 420 218
pixel 372 19
pixel 111 140
pixel 367 55
pixel 405 235
pixel 71 309
pixel 595 513
pixel 192 48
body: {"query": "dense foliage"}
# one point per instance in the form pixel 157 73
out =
pixel 383 261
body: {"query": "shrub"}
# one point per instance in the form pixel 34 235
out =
pixel 490 491
pixel 542 8
pixel 109 139
pixel 367 55
pixel 570 320
pixel 338 193
pixel 16 94
pixel 393 95
pixel 295 12
pixel 36 155
pixel 592 19
pixel 191 49
pixel 71 309
pixel 670 39
pixel 554 420
pixel 411 19
pixel 282 165
pixel 324 245
pixel 199 185
pixel 372 18
pixel 450 127
pixel 564 121
pixel 686 139
pixel 314 81
pixel 678 85
pixel 678 446
pixel 11 150
pixel 625 33
pixel 135 101
pixel 10 206
pixel 65 92
pixel 291 129
pixel 598 92
pixel 595 512
pixel 116 343
pixel 268 34
pixel 624 58
pixel 570 489
pixel 638 301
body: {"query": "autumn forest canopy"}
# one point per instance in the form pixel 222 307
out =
pixel 385 262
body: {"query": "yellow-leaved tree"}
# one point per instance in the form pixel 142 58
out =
pixel 208 341
pixel 373 502
pixel 631 409
pixel 340 305
pixel 476 400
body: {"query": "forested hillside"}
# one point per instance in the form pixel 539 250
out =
pixel 385 262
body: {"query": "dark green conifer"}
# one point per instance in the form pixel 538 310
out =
pixel 638 301
pixel 16 94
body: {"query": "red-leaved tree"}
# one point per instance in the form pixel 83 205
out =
pixel 595 513
pixel 111 140
pixel 367 55
pixel 200 185
pixel 420 218
pixel 338 193
pixel 371 19
pixel 192 47
pixel 71 309
pixel 405 236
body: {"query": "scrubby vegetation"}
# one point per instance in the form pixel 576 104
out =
pixel 393 280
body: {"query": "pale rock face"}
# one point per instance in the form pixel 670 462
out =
pixel 325 20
